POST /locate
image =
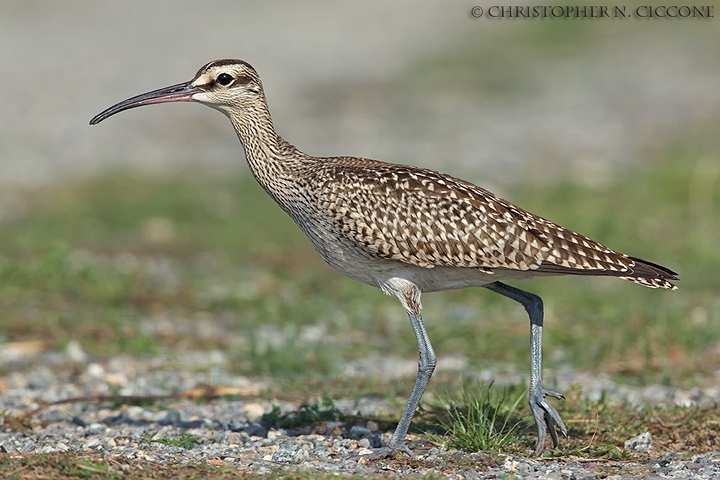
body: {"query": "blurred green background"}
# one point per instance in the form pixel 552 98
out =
pixel 145 235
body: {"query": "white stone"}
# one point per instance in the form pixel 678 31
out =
pixel 641 443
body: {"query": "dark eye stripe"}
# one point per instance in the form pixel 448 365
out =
pixel 225 79
pixel 243 80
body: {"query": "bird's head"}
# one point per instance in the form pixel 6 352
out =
pixel 221 84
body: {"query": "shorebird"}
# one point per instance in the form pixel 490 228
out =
pixel 404 229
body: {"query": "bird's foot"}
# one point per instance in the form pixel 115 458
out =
pixel 387 451
pixel 546 417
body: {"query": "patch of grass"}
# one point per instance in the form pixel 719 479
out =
pixel 185 440
pixel 480 418
pixel 323 410
pixel 491 420
pixel 76 465
pixel 13 423
pixel 66 465
pixel 89 469
pixel 289 357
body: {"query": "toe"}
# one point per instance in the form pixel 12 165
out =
pixel 388 451
pixel 546 418
pixel 550 393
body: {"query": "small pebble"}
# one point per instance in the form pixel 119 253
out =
pixel 79 421
pixel 133 413
pixel 95 370
pixel 75 352
pixel 95 429
pixel 290 455
pixel 92 443
pixel 172 417
pixel 116 379
pixel 375 441
pixel 359 432
pixel 641 443
pixel 256 430
pixel 253 412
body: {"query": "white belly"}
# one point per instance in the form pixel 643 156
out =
pixel 360 265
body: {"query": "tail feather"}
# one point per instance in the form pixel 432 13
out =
pixel 636 270
pixel 651 274
pixel 651 282
pixel 643 267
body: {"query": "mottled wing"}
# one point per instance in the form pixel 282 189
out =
pixel 425 218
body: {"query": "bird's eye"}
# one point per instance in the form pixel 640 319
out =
pixel 224 79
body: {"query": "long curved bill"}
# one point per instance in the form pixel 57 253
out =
pixel 182 92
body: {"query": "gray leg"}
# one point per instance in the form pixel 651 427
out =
pixel 546 417
pixel 426 366
pixel 409 295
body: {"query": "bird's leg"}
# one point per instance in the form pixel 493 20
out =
pixel 426 366
pixel 409 296
pixel 546 417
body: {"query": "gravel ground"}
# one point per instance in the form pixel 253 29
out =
pixel 228 433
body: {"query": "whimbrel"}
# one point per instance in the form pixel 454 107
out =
pixel 404 229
